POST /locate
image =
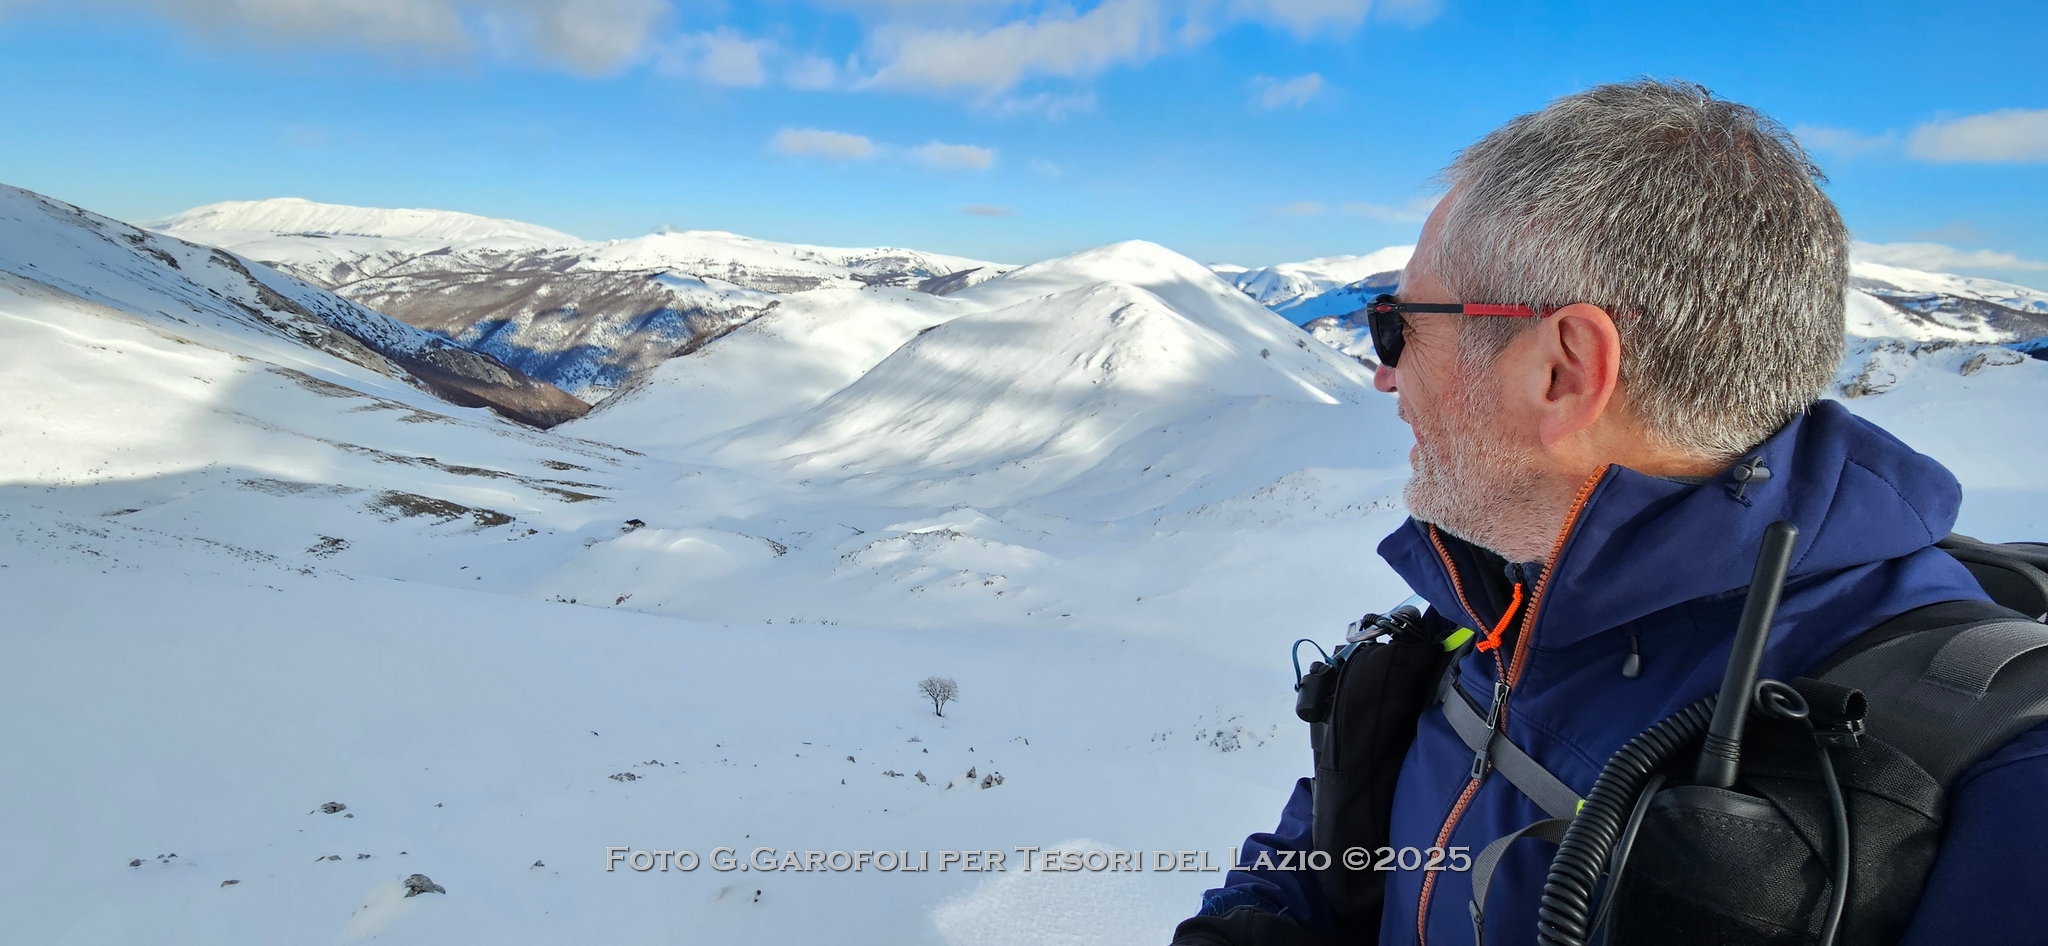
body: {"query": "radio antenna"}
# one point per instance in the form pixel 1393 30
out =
pixel 1723 747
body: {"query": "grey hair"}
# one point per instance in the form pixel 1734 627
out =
pixel 1697 223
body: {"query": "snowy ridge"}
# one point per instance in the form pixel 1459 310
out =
pixel 1105 394
pixel 1897 320
pixel 1902 321
pixel 1023 381
pixel 1284 286
pixel 761 264
pixel 1878 278
pixel 300 217
pixel 105 261
pixel 587 316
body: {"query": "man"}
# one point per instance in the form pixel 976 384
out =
pixel 1656 291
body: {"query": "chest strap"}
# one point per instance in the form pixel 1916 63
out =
pixel 1483 868
pixel 1492 748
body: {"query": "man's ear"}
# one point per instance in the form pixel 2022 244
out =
pixel 1581 349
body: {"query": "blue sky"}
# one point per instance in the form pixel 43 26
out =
pixel 1247 131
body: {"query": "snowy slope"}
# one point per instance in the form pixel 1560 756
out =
pixel 812 345
pixel 299 217
pixel 1286 286
pixel 1897 281
pixel 587 316
pixel 55 247
pixel 763 265
pixel 1898 320
pixel 1031 449
pixel 1028 378
pixel 1903 322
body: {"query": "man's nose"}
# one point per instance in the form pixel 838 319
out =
pixel 1383 380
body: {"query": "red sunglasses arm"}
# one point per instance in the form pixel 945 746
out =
pixel 1510 311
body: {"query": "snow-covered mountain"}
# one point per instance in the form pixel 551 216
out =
pixel 1315 288
pixel 1899 320
pixel 53 248
pixel 297 217
pixel 1903 321
pixel 1111 418
pixel 1103 492
pixel 398 606
pixel 585 316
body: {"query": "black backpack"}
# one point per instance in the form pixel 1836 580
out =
pixel 1904 710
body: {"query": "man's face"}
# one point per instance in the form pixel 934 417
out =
pixel 1469 470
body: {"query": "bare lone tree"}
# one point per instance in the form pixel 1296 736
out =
pixel 939 690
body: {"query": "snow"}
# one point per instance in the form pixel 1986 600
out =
pixel 1969 287
pixel 1104 493
pixel 270 579
pixel 293 215
pixel 62 249
pixel 708 252
pixel 472 735
pixel 1084 440
pixel 816 343
pixel 1975 423
pixel 1286 285
pixel 589 317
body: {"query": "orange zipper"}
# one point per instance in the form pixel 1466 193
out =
pixel 1571 519
pixel 1509 674
pixel 1436 539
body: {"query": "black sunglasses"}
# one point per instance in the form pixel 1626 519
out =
pixel 1383 318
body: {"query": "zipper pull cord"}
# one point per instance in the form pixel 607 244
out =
pixel 1492 639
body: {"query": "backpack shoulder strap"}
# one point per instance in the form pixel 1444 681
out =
pixel 2014 574
pixel 1949 683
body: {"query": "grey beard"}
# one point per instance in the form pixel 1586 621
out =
pixel 1483 489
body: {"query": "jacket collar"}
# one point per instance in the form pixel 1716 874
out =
pixel 1641 543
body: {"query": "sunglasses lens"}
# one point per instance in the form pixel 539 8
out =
pixel 1386 329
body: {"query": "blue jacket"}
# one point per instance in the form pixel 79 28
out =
pixel 1665 565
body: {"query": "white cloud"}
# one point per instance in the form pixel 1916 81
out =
pixel 1307 18
pixel 1409 12
pixel 844 146
pixel 1302 208
pixel 590 36
pixel 835 145
pixel 583 36
pixel 1058 43
pixel 1940 257
pixel 425 23
pixel 988 46
pixel 1053 107
pixel 1841 141
pixel 2010 135
pixel 731 59
pixel 928 44
pixel 721 57
pixel 1296 91
pixel 812 73
pixel 989 210
pixel 947 157
pixel 1046 169
pixel 1414 211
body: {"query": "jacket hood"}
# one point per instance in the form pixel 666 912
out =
pixel 1641 544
